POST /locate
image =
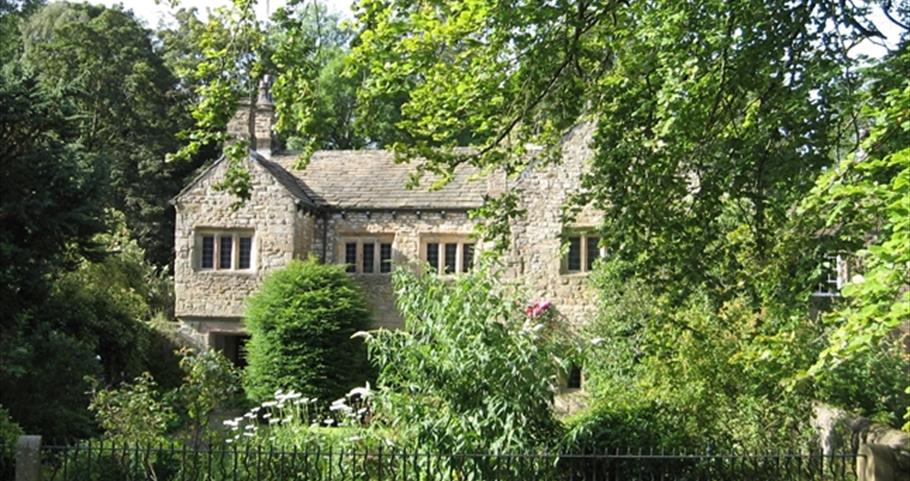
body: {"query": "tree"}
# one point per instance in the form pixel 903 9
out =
pixel 300 323
pixel 865 201
pixel 51 206
pixel 706 114
pixel 64 318
pixel 127 108
pixel 715 121
pixel 12 14
pixel 334 92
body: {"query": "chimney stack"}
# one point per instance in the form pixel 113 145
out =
pixel 254 120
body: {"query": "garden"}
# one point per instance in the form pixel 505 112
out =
pixel 743 151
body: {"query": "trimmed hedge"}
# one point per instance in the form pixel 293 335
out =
pixel 300 323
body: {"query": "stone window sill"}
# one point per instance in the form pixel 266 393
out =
pixel 226 272
pixel 571 275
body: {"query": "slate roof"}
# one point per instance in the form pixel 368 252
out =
pixel 285 178
pixel 370 179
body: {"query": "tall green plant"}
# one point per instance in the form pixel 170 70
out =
pixel 470 370
pixel 134 412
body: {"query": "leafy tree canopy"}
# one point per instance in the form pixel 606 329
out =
pixel 127 108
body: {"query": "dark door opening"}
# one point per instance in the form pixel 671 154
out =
pixel 232 346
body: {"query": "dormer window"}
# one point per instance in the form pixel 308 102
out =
pixel 583 250
pixel 224 250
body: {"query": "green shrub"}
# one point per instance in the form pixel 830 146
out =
pixel 9 433
pixel 684 373
pixel 133 412
pixel 300 323
pixel 210 382
pixel 471 370
pixel 95 323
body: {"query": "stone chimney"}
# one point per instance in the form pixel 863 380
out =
pixel 254 120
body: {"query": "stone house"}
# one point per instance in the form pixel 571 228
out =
pixel 352 207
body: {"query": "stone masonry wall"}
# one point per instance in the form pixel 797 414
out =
pixel 279 234
pixel 534 260
pixel 405 230
pixel 535 256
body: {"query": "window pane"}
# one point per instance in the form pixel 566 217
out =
pixel 225 253
pixel 432 256
pixel 385 258
pixel 208 252
pixel 246 247
pixel 593 251
pixel 574 261
pixel 451 258
pixel 467 258
pixel 350 256
pixel 369 255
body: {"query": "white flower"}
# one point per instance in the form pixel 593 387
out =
pixel 231 422
pixel 328 421
pixel 597 341
pixel 266 415
pixel 287 420
pixel 360 391
pixel 269 404
pixel 255 409
pixel 250 427
pixel 361 334
pixel 249 434
pixel 293 395
pixel 278 393
pixel 274 421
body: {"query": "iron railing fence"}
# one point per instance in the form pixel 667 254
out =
pixel 7 461
pixel 110 461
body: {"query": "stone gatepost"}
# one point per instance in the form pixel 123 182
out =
pixel 879 462
pixel 28 458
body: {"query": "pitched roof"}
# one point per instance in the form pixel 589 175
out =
pixel 285 178
pixel 371 179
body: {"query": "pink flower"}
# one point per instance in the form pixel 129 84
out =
pixel 538 308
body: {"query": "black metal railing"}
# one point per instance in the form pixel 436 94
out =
pixel 103 461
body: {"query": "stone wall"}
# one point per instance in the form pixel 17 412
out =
pixel 279 234
pixel 405 229
pixel 535 256
pixel 534 260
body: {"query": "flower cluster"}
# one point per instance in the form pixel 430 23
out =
pixel 353 408
pixel 538 309
pixel 293 413
pixel 287 408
